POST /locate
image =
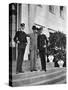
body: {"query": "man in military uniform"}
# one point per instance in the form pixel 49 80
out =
pixel 42 43
pixel 21 40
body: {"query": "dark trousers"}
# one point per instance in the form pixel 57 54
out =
pixel 42 56
pixel 20 59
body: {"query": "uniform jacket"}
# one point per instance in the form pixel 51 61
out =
pixel 21 37
pixel 42 40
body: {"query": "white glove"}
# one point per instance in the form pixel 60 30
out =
pixel 18 41
pixel 13 43
pixel 44 46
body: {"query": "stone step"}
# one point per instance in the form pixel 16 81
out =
pixel 54 80
pixel 41 79
pixel 35 73
pixel 63 81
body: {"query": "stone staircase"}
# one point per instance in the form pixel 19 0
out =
pixel 51 76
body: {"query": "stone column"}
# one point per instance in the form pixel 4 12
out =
pixel 24 19
pixel 24 16
pixel 13 28
pixel 31 16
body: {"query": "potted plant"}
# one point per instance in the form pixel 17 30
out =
pixel 57 48
pixel 60 58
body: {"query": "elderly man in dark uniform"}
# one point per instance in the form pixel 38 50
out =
pixel 21 40
pixel 42 43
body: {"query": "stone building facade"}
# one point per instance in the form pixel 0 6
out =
pixel 52 17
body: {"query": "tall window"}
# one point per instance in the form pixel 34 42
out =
pixel 39 5
pixel 52 9
pixel 61 11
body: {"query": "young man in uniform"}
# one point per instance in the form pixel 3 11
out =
pixel 21 40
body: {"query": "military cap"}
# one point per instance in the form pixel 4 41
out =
pixel 22 24
pixel 34 27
